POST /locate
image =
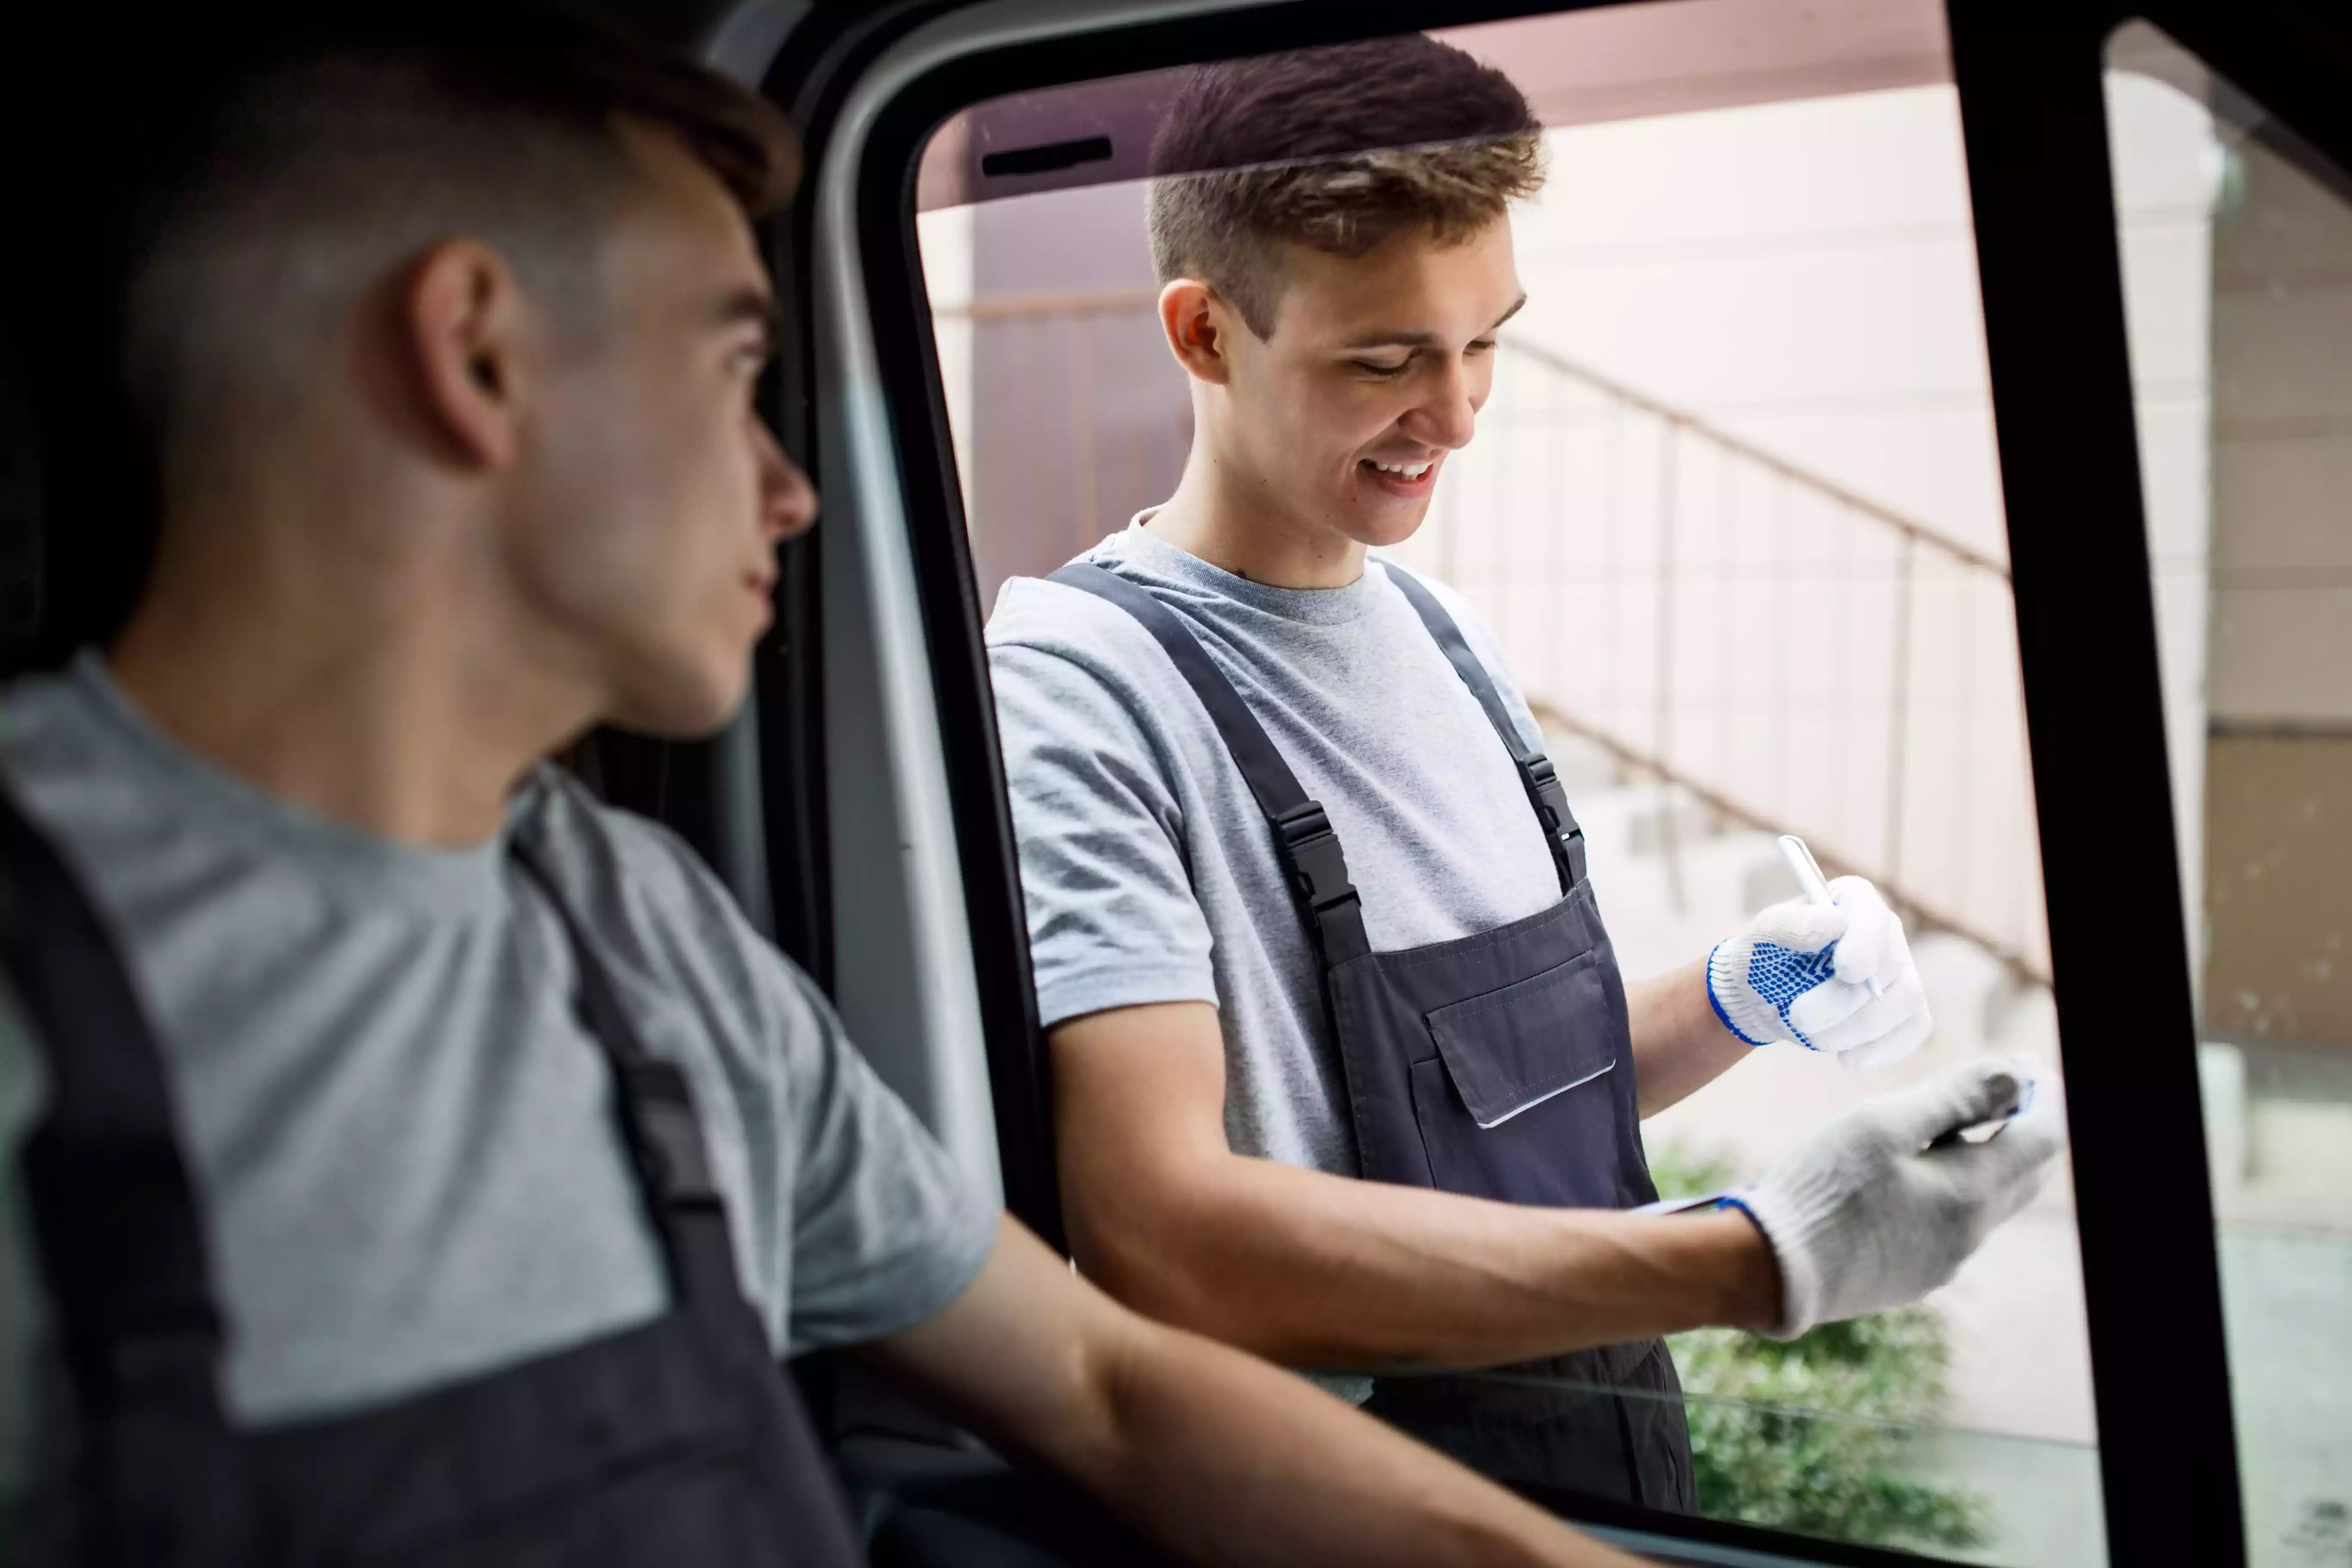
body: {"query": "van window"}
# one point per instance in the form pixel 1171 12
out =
pixel 2236 243
pixel 1734 514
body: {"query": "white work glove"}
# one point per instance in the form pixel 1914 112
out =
pixel 1802 973
pixel 1864 1215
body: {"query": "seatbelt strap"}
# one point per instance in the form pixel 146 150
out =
pixel 1304 841
pixel 1537 775
pixel 162 1474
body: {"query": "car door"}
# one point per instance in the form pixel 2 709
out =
pixel 1895 398
pixel 1996 359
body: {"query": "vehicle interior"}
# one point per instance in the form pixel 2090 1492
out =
pixel 2008 351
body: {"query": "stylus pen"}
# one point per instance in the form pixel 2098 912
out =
pixel 1816 888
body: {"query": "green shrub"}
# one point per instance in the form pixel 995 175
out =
pixel 1818 1434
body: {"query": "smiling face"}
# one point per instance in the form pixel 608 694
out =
pixel 1339 424
pixel 648 530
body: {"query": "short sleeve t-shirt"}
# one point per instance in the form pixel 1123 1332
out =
pixel 1148 869
pixel 402 1138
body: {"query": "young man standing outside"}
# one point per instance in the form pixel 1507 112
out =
pixel 420 1160
pixel 1306 904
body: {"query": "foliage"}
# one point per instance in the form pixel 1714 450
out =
pixel 1816 1433
pixel 2323 1535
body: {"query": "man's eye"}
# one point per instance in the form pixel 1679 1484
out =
pixel 1482 345
pixel 1384 372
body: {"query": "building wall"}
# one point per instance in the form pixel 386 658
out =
pixel 1073 414
pixel 1802 276
pixel 2279 757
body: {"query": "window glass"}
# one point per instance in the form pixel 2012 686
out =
pixel 2236 242
pixel 1732 512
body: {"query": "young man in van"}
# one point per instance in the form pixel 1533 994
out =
pixel 1305 902
pixel 403 1157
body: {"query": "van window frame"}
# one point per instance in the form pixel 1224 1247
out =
pixel 2033 123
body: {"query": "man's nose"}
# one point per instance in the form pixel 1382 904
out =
pixel 788 502
pixel 1449 415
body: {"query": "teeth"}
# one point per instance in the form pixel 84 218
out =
pixel 1410 470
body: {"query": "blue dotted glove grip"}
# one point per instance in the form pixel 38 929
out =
pixel 1781 974
pixel 1778 975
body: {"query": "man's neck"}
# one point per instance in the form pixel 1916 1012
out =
pixel 383 714
pixel 1230 522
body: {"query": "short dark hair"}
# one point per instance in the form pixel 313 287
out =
pixel 329 147
pixel 1338 149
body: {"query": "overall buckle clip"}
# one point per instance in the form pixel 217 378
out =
pixel 1317 866
pixel 1551 801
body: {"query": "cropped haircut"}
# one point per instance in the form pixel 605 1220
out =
pixel 1337 149
pixel 327 159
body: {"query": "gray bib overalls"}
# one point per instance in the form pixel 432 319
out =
pixel 678 1443
pixel 1498 1064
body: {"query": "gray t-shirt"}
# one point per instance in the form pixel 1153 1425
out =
pixel 402 1138
pixel 1148 869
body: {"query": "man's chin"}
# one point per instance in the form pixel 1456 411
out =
pixel 684 707
pixel 1386 530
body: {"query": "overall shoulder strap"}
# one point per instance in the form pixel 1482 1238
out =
pixel 655 1104
pixel 664 1135
pixel 1303 839
pixel 116 1226
pixel 1535 773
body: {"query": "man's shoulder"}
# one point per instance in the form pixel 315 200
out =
pixel 639 874
pixel 622 857
pixel 1465 615
pixel 1069 623
pixel 652 904
pixel 74 761
pixel 50 722
pixel 1483 643
pixel 1060 652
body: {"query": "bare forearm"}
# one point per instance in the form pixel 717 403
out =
pixel 1679 1045
pixel 1222 1457
pixel 1317 1270
pixel 1233 1461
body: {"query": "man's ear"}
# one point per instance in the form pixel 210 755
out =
pixel 464 322
pixel 1197 322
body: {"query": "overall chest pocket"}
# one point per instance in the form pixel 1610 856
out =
pixel 1528 1097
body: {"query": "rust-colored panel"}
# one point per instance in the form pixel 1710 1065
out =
pixel 2278 889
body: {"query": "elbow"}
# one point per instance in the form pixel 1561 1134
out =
pixel 1166 1261
pixel 1140 1257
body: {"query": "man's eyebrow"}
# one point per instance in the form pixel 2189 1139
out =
pixel 753 305
pixel 1423 339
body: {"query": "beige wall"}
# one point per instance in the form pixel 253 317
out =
pixel 2278 805
pixel 2282 647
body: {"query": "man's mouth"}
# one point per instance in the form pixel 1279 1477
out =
pixel 1407 478
pixel 761 586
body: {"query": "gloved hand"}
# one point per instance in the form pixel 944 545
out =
pixel 1863 1216
pixel 1800 972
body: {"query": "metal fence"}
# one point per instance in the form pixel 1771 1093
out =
pixel 1788 653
